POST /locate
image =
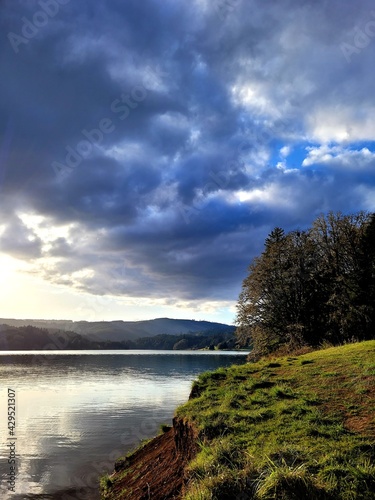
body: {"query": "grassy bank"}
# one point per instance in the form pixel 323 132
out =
pixel 289 428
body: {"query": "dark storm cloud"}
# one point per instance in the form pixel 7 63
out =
pixel 149 133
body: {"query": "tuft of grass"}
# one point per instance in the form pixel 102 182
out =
pixel 350 480
pixel 285 482
pixel 105 485
pixel 300 427
pixel 306 362
pixel 282 391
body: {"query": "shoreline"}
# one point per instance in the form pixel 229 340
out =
pixel 156 469
pixel 263 430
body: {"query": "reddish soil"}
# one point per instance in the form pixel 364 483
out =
pixel 362 424
pixel 363 421
pixel 155 471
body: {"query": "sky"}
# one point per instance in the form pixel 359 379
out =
pixel 148 148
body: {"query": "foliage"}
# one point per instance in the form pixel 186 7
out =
pixel 308 287
pixel 105 485
pixel 30 337
pixel 186 341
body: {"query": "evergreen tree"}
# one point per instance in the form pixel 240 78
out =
pixel 365 298
pixel 311 286
pixel 337 238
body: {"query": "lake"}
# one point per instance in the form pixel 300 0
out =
pixel 75 412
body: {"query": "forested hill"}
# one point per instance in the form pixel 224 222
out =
pixel 33 338
pixel 120 331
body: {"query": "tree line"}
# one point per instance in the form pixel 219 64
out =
pixel 34 338
pixel 313 286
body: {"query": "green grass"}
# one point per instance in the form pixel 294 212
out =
pixel 105 485
pixel 288 428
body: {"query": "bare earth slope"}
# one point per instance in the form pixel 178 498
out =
pixel 156 470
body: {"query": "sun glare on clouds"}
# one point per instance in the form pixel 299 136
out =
pixel 272 195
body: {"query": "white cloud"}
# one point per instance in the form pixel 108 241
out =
pixel 270 196
pixel 254 96
pixel 45 229
pixel 339 156
pixel 342 123
pixel 285 151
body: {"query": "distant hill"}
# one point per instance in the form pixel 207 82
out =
pixel 26 338
pixel 31 338
pixel 122 331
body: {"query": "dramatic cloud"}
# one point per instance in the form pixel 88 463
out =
pixel 147 148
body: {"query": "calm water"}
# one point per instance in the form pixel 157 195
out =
pixel 77 411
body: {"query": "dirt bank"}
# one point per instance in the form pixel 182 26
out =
pixel 155 471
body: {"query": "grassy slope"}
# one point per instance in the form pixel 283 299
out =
pixel 288 428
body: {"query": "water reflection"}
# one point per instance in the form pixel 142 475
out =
pixel 77 413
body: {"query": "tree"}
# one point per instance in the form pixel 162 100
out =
pixel 365 297
pixel 310 286
pixel 261 306
pixel 338 239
